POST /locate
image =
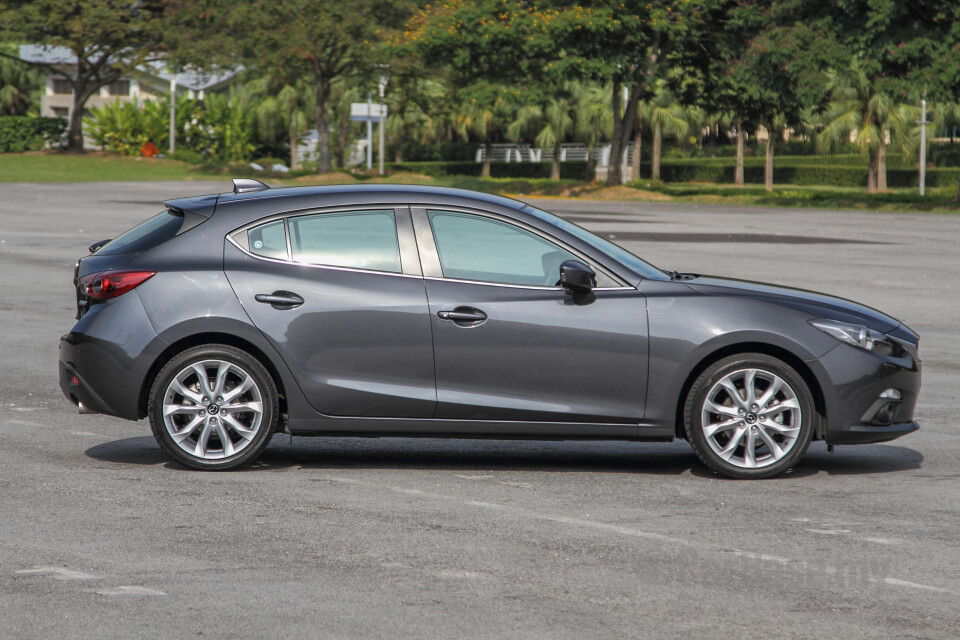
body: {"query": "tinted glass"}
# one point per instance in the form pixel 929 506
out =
pixel 268 240
pixel 615 251
pixel 357 239
pixel 479 248
pixel 147 235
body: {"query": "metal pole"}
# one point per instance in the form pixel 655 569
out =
pixel 369 132
pixel 173 114
pixel 381 129
pixel 923 145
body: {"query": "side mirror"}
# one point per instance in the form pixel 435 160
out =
pixel 577 277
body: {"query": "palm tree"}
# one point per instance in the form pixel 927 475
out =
pixel 480 116
pixel 858 112
pixel 666 117
pixel 552 121
pixel 287 113
pixel 419 110
pixel 946 118
pixel 594 121
pixel 19 87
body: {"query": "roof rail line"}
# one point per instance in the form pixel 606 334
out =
pixel 248 185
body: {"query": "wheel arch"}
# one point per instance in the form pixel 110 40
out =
pixel 791 359
pixel 200 339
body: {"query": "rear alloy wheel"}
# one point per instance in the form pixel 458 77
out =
pixel 749 416
pixel 213 407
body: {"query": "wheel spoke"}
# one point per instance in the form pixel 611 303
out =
pixel 203 377
pixel 244 432
pixel 187 431
pixel 181 409
pixel 186 392
pixel 779 408
pixel 225 442
pixel 239 390
pixel 750 450
pixel 200 450
pixel 723 410
pixel 221 379
pixel 772 444
pixel 775 385
pixel 727 452
pixel 715 428
pixel 787 431
pixel 749 387
pixel 733 392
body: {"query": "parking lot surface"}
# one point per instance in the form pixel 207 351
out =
pixel 102 536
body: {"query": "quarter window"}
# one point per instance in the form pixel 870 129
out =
pixel 268 240
pixel 356 239
pixel 479 248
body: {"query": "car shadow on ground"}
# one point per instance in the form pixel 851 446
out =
pixel 512 455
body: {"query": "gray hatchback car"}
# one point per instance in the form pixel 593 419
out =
pixel 426 312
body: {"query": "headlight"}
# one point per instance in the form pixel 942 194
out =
pixel 859 336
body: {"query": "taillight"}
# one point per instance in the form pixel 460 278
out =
pixel 110 284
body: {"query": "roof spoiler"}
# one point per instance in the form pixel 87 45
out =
pixel 247 185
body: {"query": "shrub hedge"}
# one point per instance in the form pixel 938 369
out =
pixel 568 170
pixel 26 133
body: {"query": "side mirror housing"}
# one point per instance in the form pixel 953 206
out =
pixel 577 277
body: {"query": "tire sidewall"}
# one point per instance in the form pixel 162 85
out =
pixel 718 370
pixel 268 394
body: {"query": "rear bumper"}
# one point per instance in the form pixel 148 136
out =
pixel 106 358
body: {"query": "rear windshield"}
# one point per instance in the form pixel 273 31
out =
pixel 146 235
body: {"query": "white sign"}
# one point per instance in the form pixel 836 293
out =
pixel 363 112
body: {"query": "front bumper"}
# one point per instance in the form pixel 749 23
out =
pixel 868 398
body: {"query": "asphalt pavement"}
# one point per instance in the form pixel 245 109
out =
pixel 101 536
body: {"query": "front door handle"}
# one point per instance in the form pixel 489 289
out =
pixel 463 314
pixel 280 299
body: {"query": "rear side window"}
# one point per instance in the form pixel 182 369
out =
pixel 146 235
pixel 268 240
pixel 357 239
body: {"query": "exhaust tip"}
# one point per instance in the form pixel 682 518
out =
pixel 84 410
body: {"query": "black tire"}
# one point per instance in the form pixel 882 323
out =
pixel 246 387
pixel 738 422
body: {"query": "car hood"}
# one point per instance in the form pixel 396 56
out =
pixel 818 305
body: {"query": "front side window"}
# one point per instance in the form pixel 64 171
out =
pixel 355 239
pixel 479 248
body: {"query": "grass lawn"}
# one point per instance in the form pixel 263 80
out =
pixel 42 166
pixel 108 167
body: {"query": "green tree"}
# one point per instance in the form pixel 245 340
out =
pixel 594 121
pixel 286 112
pixel 108 39
pixel 549 122
pixel 861 113
pixel 19 86
pixel 481 113
pixel 665 116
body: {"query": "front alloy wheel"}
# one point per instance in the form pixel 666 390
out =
pixel 213 407
pixel 749 416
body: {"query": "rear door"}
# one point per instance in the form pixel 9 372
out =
pixel 340 295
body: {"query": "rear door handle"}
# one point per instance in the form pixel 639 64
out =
pixel 280 299
pixel 463 314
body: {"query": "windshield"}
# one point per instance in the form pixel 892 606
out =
pixel 615 251
pixel 146 235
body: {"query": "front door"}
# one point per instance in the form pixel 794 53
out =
pixel 511 345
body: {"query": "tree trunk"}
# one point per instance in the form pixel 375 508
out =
pixel 342 137
pixel 882 167
pixel 294 162
pixel 555 163
pixel 622 132
pixel 323 127
pixel 738 169
pixel 81 93
pixel 398 146
pixel 488 149
pixel 655 158
pixel 637 143
pixel 872 171
pixel 768 165
pixel 591 169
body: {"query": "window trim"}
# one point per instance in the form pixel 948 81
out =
pixel 430 256
pixel 409 255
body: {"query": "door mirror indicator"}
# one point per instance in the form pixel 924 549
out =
pixel 576 276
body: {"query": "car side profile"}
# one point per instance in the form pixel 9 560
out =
pixel 392 310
